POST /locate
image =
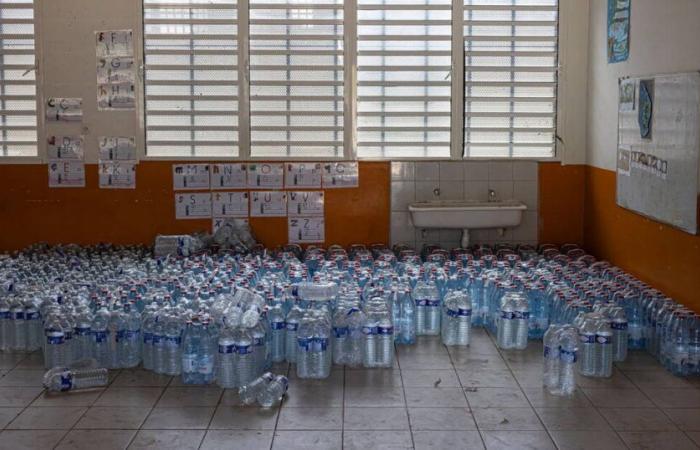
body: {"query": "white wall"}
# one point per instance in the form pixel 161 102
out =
pixel 68 64
pixel 665 38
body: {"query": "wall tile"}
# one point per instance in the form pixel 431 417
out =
pixel 430 236
pixel 478 236
pixel 402 230
pixel 500 170
pixel 476 170
pixel 402 193
pixel 526 191
pixel 450 235
pixel 427 171
pixel 449 245
pixel 525 170
pixel 451 190
pixel 424 190
pixel 403 170
pixel 476 190
pixel 527 231
pixel 451 170
pixel 495 236
pixel 504 189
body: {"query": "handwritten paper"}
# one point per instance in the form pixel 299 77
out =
pixel 306 230
pixel 268 204
pixel 193 205
pixel 190 176
pixel 228 176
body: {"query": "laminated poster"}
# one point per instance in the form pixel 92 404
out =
pixel 228 176
pixel 114 43
pixel 66 173
pixel 65 147
pixel 230 204
pixel 117 174
pixel 306 230
pixel 341 175
pixel 266 176
pixel 618 30
pixel 116 97
pixel 63 109
pixel 305 203
pixel 117 148
pixel 116 70
pixel 190 176
pixel 193 205
pixel 268 204
pixel 304 175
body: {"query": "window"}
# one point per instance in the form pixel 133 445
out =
pixel 18 111
pixel 296 78
pixel 404 81
pixel 191 77
pixel 310 78
pixel 510 75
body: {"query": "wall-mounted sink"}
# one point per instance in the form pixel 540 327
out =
pixel 466 215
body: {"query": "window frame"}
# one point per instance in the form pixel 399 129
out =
pixel 350 95
pixel 40 156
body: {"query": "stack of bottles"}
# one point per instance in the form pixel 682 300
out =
pixel 227 317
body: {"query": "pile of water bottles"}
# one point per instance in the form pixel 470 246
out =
pixel 227 317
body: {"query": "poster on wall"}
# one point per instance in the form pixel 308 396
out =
pixel 268 204
pixel 116 70
pixel 306 203
pixel 218 222
pixel 306 230
pixel 303 175
pixel 193 205
pixel 230 204
pixel 228 176
pixel 116 148
pixel 190 176
pixel 341 175
pixel 266 176
pixel 64 109
pixel 66 173
pixel 618 30
pixel 65 147
pixel 117 174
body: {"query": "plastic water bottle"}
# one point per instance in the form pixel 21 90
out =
pixel 83 335
pixel 18 326
pixel 226 373
pixel 191 346
pixel 506 326
pixel 278 328
pixel 129 337
pixel 5 325
pixel 521 318
pixel 680 345
pixel 147 321
pixel 620 336
pixel 385 340
pixel 456 320
pixel 115 329
pixel 34 326
pixel 249 392
pixel 589 347
pixel 54 347
pixel 273 392
pixel 61 379
pixel 568 357
pixel 258 333
pixel 355 340
pixel 427 300
pixel 407 323
pixel 551 358
pixel 604 350
pixel 172 348
pixel 292 326
pixel 340 336
pixel 693 361
pixel 370 332
pixel 159 343
pixel 244 358
pixel 100 337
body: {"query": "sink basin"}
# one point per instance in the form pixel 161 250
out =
pixel 466 215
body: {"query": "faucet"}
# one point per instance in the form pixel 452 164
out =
pixel 492 196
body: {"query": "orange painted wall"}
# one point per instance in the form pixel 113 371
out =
pixel 31 212
pixel 667 258
pixel 561 196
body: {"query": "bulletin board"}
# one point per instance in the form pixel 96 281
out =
pixel 659 148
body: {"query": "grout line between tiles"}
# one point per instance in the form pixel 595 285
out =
pixel 464 392
pixel 405 400
pixel 165 388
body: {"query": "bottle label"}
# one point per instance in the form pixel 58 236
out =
pixel 548 351
pixel 100 336
pixel 341 332
pixel 68 334
pixel 292 326
pixel 461 312
pixel 587 338
pixel 5 315
pixel 507 315
pixel 157 339
pixel 319 344
pixel 172 341
pixel 385 331
pixel 81 331
pixel 432 303
pixel 55 340
pixel 148 338
pixel 206 365
pixel 189 363
pixel 278 325
pixel 66 381
pixel 369 330
pixel 227 349
pixel 120 335
pixel 567 356
pixel 18 315
pixel 258 341
pixel 521 315
pixel 602 339
pixel 620 326
pixel 304 344
pixel 244 349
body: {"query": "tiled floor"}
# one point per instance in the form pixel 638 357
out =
pixel 461 398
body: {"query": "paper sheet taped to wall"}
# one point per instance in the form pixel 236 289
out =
pixel 305 203
pixel 117 174
pixel 65 147
pixel 306 230
pixel 193 205
pixel 66 173
pixel 64 109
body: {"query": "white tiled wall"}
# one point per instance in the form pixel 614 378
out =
pixel 424 181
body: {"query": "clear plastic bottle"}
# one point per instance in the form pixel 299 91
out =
pixel 568 358
pixel 506 327
pixel 355 321
pixel 244 361
pixel 18 326
pixel 278 328
pixel 172 348
pixel 129 338
pixel 551 358
pixel 191 347
pixel 100 337
pixel 5 325
pixel 385 340
pixel 370 333
pixel 61 379
pixel 619 327
pixel 34 326
pixel 159 343
pixel 259 335
pixel 226 374
pixel 274 392
pixel 521 319
pixel 407 332
pixel 115 326
pixel 588 345
pixel 340 335
pixel 83 335
pixel 292 326
pixel 604 350
pixel 249 392
pixel 54 347
pixel 147 321
pixel 456 321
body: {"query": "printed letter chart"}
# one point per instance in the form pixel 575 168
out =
pixel 193 205
pixel 65 147
pixel 218 222
pixel 190 176
pixel 117 174
pixel 230 204
pixel 228 176
pixel 266 176
pixel 306 229
pixel 66 173
pixel 341 175
pixel 307 203
pixel 117 148
pixel 268 204
pixel 303 175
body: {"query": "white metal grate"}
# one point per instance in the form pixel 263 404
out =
pixel 191 77
pixel 18 109
pixel 404 78
pixel 510 77
pixel 296 78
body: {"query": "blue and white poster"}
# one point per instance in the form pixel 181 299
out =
pixel 618 30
